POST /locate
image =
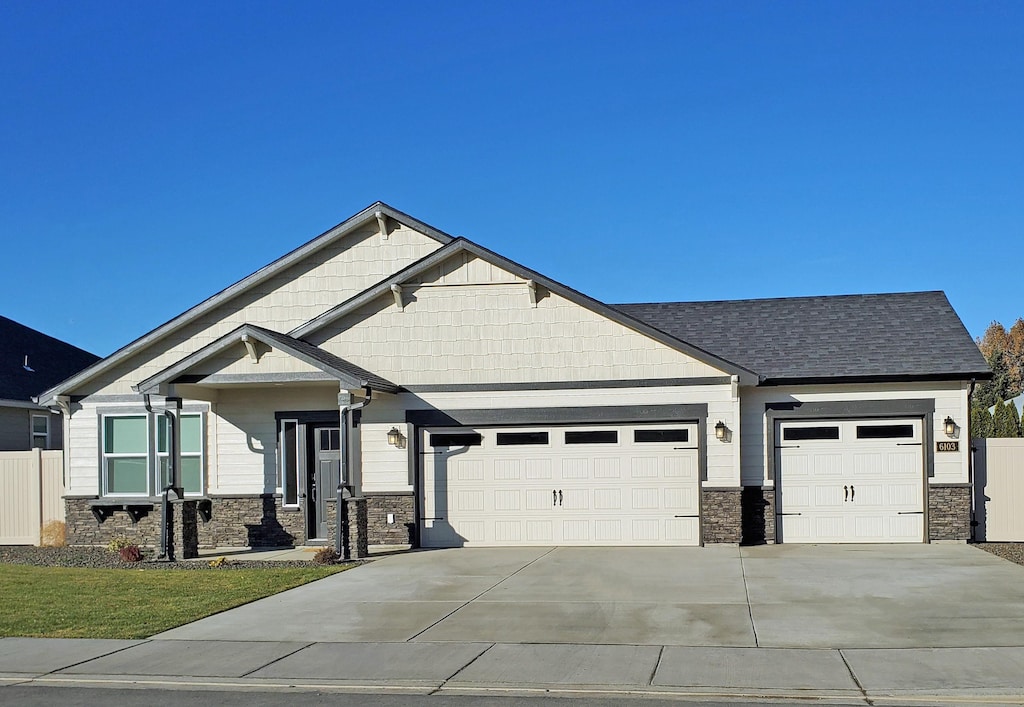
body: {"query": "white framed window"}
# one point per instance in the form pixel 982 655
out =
pixel 125 452
pixel 40 432
pixel 288 461
pixel 192 465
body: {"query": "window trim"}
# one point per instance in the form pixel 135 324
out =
pixel 104 455
pixel 282 473
pixel 201 454
pixel 32 430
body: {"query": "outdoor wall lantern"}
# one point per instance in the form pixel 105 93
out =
pixel 949 426
pixel 720 431
pixel 394 438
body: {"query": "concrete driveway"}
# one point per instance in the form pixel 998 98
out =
pixel 879 596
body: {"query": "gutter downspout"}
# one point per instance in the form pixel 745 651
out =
pixel 341 527
pixel 970 460
pixel 164 554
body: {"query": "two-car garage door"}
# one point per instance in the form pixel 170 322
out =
pixel 594 485
pixel 850 481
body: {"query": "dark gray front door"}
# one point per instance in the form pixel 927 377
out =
pixel 324 474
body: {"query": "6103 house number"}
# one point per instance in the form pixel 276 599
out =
pixel 947 446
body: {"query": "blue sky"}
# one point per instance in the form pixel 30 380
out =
pixel 154 153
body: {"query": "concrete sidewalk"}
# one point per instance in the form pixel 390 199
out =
pixel 873 676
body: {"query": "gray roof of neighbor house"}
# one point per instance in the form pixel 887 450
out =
pixel 913 335
pixel 50 360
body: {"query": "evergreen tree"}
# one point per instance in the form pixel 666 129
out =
pixel 1014 417
pixel 981 421
pixel 1004 421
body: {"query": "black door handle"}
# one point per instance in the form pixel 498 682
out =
pixel 853 492
pixel 559 497
pixel 554 497
pixel 846 494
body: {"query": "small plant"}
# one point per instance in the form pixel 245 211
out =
pixel 118 543
pixel 53 534
pixel 220 562
pixel 326 556
pixel 130 553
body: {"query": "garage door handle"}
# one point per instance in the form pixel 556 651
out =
pixel 846 494
pixel 853 492
pixel 554 497
pixel 559 497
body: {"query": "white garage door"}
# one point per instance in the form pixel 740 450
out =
pixel 595 485
pixel 850 481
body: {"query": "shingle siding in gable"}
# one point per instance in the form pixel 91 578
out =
pixel 288 299
pixel 465 330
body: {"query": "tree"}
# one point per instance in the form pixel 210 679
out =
pixel 981 421
pixel 1004 352
pixel 1004 421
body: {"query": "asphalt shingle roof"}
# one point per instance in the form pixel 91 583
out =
pixel 51 361
pixel 915 334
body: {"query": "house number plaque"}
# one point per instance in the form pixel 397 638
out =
pixel 947 446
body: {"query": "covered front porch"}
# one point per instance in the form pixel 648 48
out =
pixel 279 457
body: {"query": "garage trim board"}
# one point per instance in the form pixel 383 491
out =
pixel 850 481
pixel 573 485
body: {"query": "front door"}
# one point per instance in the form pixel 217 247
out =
pixel 324 474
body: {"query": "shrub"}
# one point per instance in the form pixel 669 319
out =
pixel 326 556
pixel 130 553
pixel 118 542
pixel 53 534
pixel 220 562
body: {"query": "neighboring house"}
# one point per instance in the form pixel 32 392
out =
pixel 499 407
pixel 31 362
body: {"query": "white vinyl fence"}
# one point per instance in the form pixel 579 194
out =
pixel 31 491
pixel 999 490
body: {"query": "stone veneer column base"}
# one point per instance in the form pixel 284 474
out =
pixel 721 515
pixel 949 512
pixel 403 530
pixel 758 505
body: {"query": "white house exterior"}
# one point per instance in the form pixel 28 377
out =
pixel 462 399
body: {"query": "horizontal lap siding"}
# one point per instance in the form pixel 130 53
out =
pixel 246 435
pixel 388 411
pixel 950 399
pixel 282 303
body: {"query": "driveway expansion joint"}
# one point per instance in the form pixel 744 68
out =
pixel 470 601
pixel 275 660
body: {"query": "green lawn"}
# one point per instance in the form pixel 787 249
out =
pixel 59 602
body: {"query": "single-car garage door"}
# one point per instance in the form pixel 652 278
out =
pixel 850 481
pixel 594 485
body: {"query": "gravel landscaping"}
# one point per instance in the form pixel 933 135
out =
pixel 1014 552
pixel 98 557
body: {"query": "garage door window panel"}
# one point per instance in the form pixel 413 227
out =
pixel 661 436
pixel 592 437
pixel 885 431
pixel 473 439
pixel 808 434
pixel 511 439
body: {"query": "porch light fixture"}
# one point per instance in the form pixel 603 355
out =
pixel 949 426
pixel 395 438
pixel 720 430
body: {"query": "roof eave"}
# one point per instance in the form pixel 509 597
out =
pixel 342 229
pixel 886 378
pixel 746 376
